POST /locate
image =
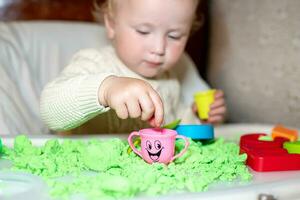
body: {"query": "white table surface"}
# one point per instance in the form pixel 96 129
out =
pixel 281 185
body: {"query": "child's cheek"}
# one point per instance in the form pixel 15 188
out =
pixel 174 55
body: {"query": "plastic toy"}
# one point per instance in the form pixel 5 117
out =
pixel 251 141
pixel 265 156
pixel 292 147
pixel 171 125
pixel 281 131
pixel 196 132
pixel 157 144
pixel 203 101
pixel 265 138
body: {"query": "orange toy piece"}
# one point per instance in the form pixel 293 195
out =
pixel 281 131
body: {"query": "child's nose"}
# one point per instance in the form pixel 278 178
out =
pixel 158 46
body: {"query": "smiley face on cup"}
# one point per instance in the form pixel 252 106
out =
pixel 154 149
pixel 157 144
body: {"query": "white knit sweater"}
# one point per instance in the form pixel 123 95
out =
pixel 71 100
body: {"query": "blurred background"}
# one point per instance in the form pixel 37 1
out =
pixel 249 49
pixel 81 10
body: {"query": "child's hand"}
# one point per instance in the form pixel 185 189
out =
pixel 217 109
pixel 133 98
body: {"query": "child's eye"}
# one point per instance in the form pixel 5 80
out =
pixel 174 37
pixel 142 32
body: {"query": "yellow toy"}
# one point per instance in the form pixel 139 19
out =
pixel 203 101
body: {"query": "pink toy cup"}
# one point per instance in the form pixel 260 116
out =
pixel 157 144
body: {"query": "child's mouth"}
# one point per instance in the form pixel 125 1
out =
pixel 153 64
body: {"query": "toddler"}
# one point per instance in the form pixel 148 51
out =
pixel 142 79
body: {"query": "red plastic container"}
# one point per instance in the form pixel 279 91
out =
pixel 266 156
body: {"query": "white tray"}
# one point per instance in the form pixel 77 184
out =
pixel 277 185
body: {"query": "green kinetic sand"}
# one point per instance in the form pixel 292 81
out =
pixel 0 146
pixel 102 169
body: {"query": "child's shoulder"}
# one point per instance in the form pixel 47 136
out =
pixel 94 53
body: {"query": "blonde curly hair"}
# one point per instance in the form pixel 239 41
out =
pixel 101 8
pixel 107 7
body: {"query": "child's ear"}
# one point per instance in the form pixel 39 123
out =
pixel 109 24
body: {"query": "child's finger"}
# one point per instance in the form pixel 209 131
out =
pixel 121 110
pixel 147 108
pixel 218 111
pixel 151 121
pixel 217 103
pixel 194 108
pixel 204 121
pixel 158 108
pixel 219 94
pixel 215 119
pixel 133 108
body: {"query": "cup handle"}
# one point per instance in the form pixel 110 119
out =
pixel 134 133
pixel 187 144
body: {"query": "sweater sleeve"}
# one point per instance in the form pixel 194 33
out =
pixel 72 98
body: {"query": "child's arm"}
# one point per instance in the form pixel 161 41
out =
pixel 72 98
pixel 131 97
pixel 75 96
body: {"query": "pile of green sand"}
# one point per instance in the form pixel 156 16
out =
pixel 113 174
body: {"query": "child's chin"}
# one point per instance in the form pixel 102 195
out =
pixel 151 74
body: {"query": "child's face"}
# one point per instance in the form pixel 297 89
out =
pixel 150 35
